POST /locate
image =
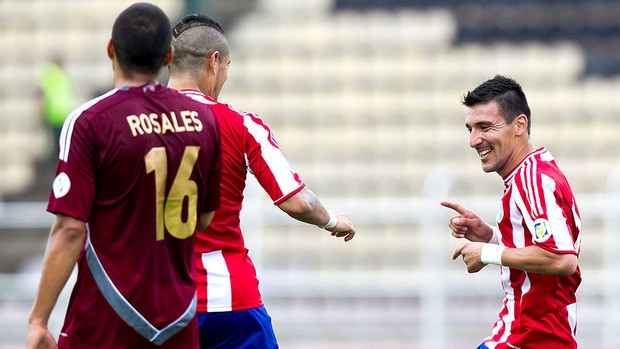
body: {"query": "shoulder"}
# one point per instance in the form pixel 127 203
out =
pixel 248 118
pixel 539 173
pixel 546 166
pixel 198 98
pixel 242 118
pixel 532 165
pixel 87 111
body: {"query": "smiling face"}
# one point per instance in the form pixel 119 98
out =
pixel 501 146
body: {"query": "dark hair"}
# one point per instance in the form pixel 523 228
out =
pixel 506 92
pixel 195 20
pixel 141 37
pixel 195 37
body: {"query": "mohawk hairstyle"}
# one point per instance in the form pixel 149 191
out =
pixel 193 21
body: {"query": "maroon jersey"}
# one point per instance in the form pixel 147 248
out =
pixel 538 208
pixel 226 275
pixel 139 165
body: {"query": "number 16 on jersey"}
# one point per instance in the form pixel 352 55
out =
pixel 169 208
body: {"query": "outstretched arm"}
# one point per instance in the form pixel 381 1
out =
pixel 63 249
pixel 304 206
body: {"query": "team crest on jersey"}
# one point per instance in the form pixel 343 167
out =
pixel 61 185
pixel 542 230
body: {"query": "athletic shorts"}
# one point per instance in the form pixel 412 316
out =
pixel 242 329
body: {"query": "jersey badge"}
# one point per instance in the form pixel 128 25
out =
pixel 542 230
pixel 61 185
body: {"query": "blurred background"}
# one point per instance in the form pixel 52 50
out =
pixel 364 98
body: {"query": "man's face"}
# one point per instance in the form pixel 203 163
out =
pixel 492 138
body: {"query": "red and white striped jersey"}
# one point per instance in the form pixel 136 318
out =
pixel 226 275
pixel 538 208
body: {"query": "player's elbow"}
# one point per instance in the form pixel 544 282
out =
pixel 301 204
pixel 68 230
pixel 297 208
pixel 567 265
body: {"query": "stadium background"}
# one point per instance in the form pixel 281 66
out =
pixel 364 98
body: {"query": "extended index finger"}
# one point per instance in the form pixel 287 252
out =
pixel 457 252
pixel 453 205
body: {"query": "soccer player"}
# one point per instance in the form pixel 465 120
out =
pixel 537 237
pixel 231 311
pixel 138 172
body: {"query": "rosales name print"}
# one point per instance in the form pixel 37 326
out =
pixel 162 123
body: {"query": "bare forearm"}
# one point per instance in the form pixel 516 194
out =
pixel 306 207
pixel 63 248
pixel 537 260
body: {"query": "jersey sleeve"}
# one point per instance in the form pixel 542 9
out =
pixel 546 212
pixel 73 189
pixel 267 162
pixel 212 200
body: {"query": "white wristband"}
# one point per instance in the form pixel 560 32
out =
pixel 333 220
pixel 492 254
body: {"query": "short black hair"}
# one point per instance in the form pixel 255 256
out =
pixel 141 36
pixel 506 92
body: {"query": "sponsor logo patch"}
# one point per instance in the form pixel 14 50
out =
pixel 61 185
pixel 542 230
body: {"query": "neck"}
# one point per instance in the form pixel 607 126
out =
pixel 184 83
pixel 131 79
pixel 519 156
pixel 527 149
pixel 187 81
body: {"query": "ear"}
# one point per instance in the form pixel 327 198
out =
pixel 110 49
pixel 213 61
pixel 169 56
pixel 520 124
